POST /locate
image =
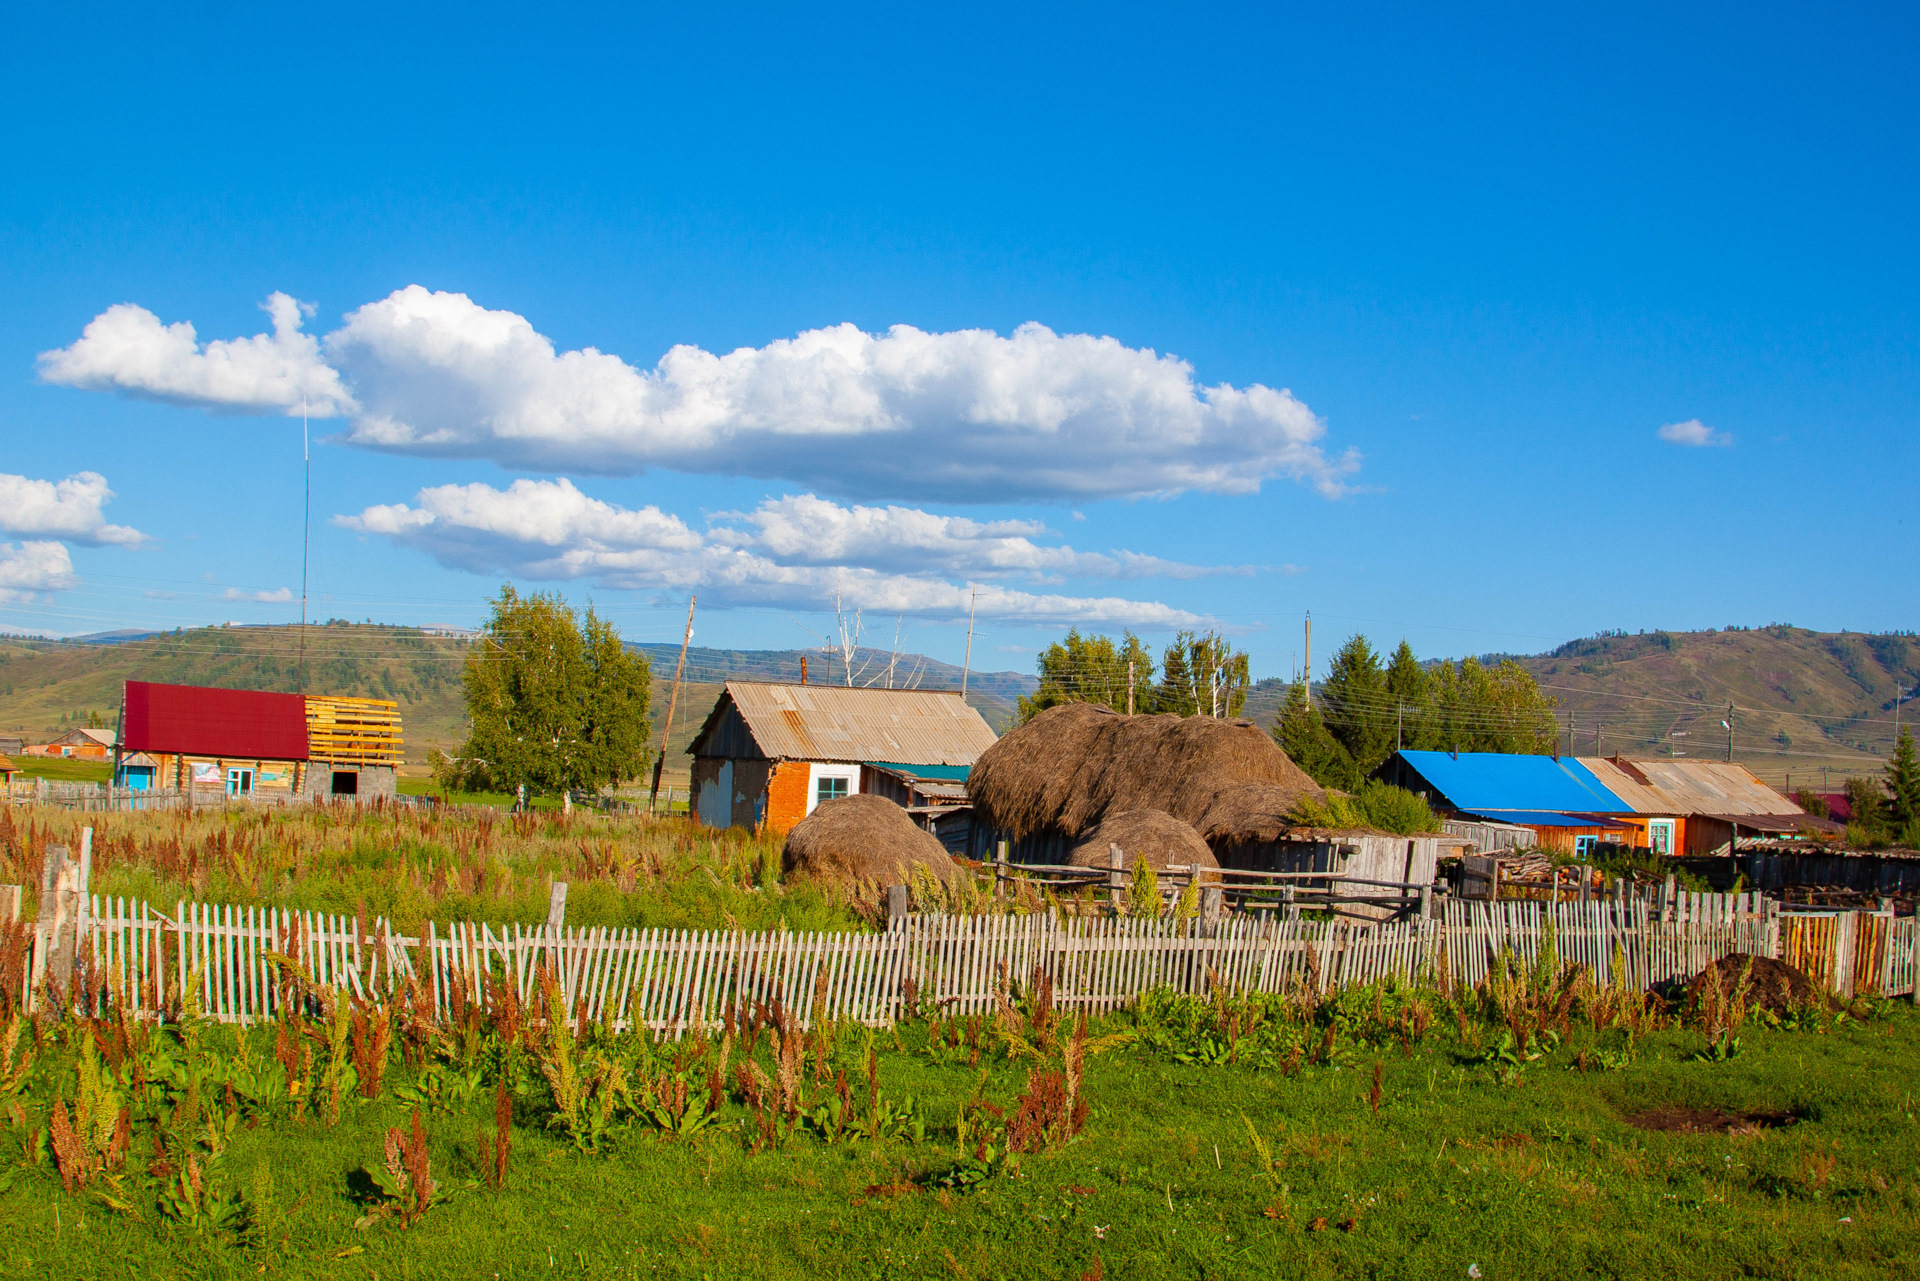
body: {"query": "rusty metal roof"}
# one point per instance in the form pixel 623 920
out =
pixel 1687 787
pixel 838 723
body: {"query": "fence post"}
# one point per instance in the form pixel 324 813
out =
pixel 1001 876
pixel 1287 909
pixel 556 924
pixel 1213 904
pixel 57 934
pixel 1116 861
pixel 896 905
pixel 10 896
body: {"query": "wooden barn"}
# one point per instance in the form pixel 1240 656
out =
pixel 769 753
pixel 78 745
pixel 248 744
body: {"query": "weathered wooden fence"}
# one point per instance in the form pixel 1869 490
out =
pixel 232 963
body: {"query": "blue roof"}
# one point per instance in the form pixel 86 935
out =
pixel 1478 782
pixel 1548 818
pixel 944 773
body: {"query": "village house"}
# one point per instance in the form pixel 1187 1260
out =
pixel 1670 807
pixel 77 744
pixel 770 753
pixel 248 744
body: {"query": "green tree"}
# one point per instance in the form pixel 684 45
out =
pixel 1202 676
pixel 1410 690
pixel 1091 669
pixel 1903 784
pixel 1473 708
pixel 1355 704
pixel 555 701
pixel 1303 736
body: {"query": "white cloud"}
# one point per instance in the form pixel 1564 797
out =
pixel 31 568
pixel 264 596
pixel 967 416
pixel 793 553
pixel 126 349
pixel 69 509
pixel 1693 432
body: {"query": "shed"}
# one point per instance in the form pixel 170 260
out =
pixel 1698 807
pixel 7 769
pixel 769 753
pixel 79 744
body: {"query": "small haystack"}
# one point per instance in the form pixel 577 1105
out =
pixel 1072 765
pixel 862 839
pixel 1771 985
pixel 1155 835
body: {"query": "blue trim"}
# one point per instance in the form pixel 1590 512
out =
pixel 941 773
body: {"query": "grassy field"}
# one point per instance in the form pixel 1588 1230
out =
pixel 1383 1134
pixel 412 865
pixel 64 770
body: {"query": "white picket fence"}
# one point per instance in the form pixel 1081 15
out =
pixel 672 981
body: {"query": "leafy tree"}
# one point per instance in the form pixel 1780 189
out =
pixel 1410 690
pixel 1356 705
pixel 1091 669
pixel 1903 784
pixel 1473 708
pixel 556 701
pixel 1303 736
pixel 1202 676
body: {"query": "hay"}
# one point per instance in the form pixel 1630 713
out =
pixel 1072 765
pixel 862 840
pixel 1771 985
pixel 1154 835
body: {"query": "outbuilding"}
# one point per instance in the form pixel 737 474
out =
pixel 769 753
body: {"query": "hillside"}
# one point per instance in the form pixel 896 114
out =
pixel 47 687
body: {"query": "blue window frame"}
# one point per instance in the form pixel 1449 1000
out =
pixel 830 789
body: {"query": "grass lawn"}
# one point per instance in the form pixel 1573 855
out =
pixel 60 769
pixel 1527 1169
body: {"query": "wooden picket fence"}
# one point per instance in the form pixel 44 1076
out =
pixel 233 963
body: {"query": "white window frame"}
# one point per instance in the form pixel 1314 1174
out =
pixel 817 771
pixel 239 780
pixel 1667 825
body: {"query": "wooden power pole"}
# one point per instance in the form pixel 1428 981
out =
pixel 673 701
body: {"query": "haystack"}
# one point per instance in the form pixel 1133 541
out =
pixel 1154 835
pixel 1771 985
pixel 862 839
pixel 1072 765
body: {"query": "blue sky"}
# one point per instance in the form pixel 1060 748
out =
pixel 1488 257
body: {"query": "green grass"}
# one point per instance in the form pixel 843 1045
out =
pixel 1531 1171
pixel 64 770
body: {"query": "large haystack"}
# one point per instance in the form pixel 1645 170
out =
pixel 862 839
pixel 1072 765
pixel 1154 835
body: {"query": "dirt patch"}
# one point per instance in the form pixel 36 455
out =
pixel 1674 1119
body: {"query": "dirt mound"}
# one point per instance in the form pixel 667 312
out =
pixel 1072 765
pixel 1674 1119
pixel 862 840
pixel 1771 985
pixel 1155 835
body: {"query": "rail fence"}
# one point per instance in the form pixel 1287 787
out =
pixel 234 963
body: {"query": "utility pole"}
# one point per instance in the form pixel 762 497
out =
pixel 1129 687
pixel 1729 733
pixel 673 701
pixel 1306 672
pixel 967 669
pixel 306 539
pixel 1399 722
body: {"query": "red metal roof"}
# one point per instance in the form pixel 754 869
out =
pixel 239 723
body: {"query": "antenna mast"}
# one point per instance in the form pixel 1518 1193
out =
pixel 306 538
pixel 967 669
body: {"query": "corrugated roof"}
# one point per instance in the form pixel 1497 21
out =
pixel 837 723
pixel 1498 781
pixel 1549 818
pixel 950 773
pixel 1687 787
pixel 214 722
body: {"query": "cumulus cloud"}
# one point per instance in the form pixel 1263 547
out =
pixel 30 569
pixel 967 416
pixel 264 596
pixel 69 509
pixel 793 553
pixel 1693 432
pixel 126 349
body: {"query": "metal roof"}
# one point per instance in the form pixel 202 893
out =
pixel 1687 787
pixel 948 773
pixel 214 722
pixel 1479 782
pixel 1549 818
pixel 839 723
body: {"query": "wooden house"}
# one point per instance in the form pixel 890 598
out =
pixel 250 744
pixel 79 745
pixel 1694 807
pixel 7 770
pixel 769 753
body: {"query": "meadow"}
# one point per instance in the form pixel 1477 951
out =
pixel 1536 1127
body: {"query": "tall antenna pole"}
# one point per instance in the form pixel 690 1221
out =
pixel 306 538
pixel 1306 673
pixel 666 735
pixel 967 669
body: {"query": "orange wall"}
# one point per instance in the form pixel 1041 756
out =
pixel 787 796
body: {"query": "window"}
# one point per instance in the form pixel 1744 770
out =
pixel 239 782
pixel 346 783
pixel 829 789
pixel 1583 846
pixel 1660 836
